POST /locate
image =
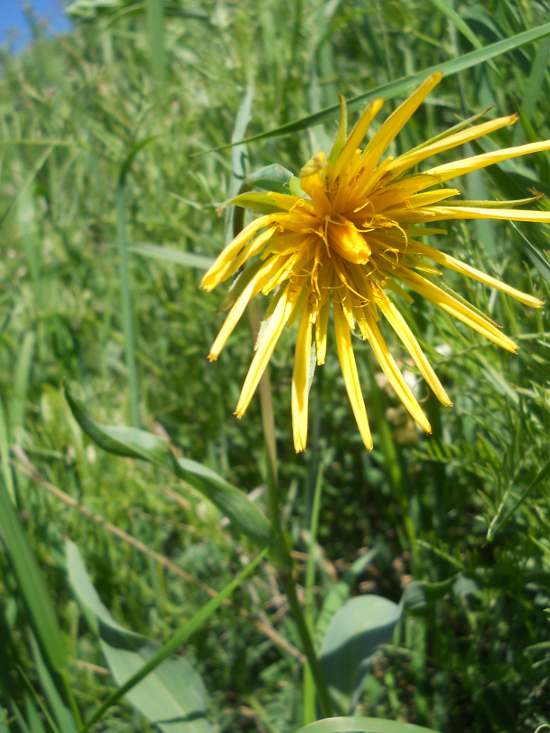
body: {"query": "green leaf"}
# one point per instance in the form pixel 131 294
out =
pixel 362 725
pixel 181 636
pixel 405 84
pixel 172 696
pixel 352 637
pixel 271 178
pixel 134 443
pixel 260 202
pixel 339 593
pixel 31 583
pixel 178 257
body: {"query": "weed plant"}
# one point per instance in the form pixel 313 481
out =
pixel 475 656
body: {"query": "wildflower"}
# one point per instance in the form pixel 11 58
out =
pixel 352 237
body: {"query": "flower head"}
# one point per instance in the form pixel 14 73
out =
pixel 351 238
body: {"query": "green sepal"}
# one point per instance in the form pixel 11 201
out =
pixel 260 202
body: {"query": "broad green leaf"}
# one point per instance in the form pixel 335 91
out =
pixel 260 202
pixel 339 593
pixel 405 84
pixel 271 178
pixel 362 725
pixel 178 257
pixel 355 632
pixel 134 443
pixel 179 638
pixel 172 696
pixel 33 589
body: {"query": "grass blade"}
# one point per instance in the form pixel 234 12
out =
pixel 178 257
pixel 31 583
pixel 403 85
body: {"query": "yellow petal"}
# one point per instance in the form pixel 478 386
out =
pixel 273 330
pixel 252 289
pixel 321 327
pixel 300 381
pixel 356 136
pixel 460 167
pixel 466 212
pixel 406 161
pixel 351 377
pixel 251 249
pixel 218 272
pixel 392 372
pixel 454 264
pixel 397 120
pixel 452 306
pixel 402 329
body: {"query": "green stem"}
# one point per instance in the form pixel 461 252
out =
pixel 309 651
pixel 126 296
pixel 71 698
pixel 175 642
pixel 309 682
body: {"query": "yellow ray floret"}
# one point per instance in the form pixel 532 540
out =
pixel 351 241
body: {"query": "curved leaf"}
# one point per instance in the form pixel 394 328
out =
pixel 352 637
pixel 271 178
pixel 362 725
pixel 134 443
pixel 173 695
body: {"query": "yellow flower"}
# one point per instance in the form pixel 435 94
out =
pixel 349 239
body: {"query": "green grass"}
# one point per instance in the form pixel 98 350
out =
pixel 72 109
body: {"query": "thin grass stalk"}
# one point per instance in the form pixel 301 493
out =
pixel 126 298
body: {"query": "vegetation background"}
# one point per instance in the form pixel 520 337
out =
pixel 72 109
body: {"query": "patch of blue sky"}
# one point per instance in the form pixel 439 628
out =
pixel 14 25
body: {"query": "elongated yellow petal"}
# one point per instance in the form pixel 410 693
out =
pixel 252 289
pixel 252 249
pixel 406 161
pixel 447 171
pixel 321 327
pixel 402 329
pixel 465 212
pixel 218 272
pixel 351 377
pixel 392 372
pixel 431 197
pixel 392 126
pixel 452 306
pixel 300 381
pixel 273 330
pixel 356 136
pixel 454 264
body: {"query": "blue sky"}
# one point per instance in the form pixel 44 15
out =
pixel 13 18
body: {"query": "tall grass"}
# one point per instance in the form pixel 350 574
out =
pixel 74 110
